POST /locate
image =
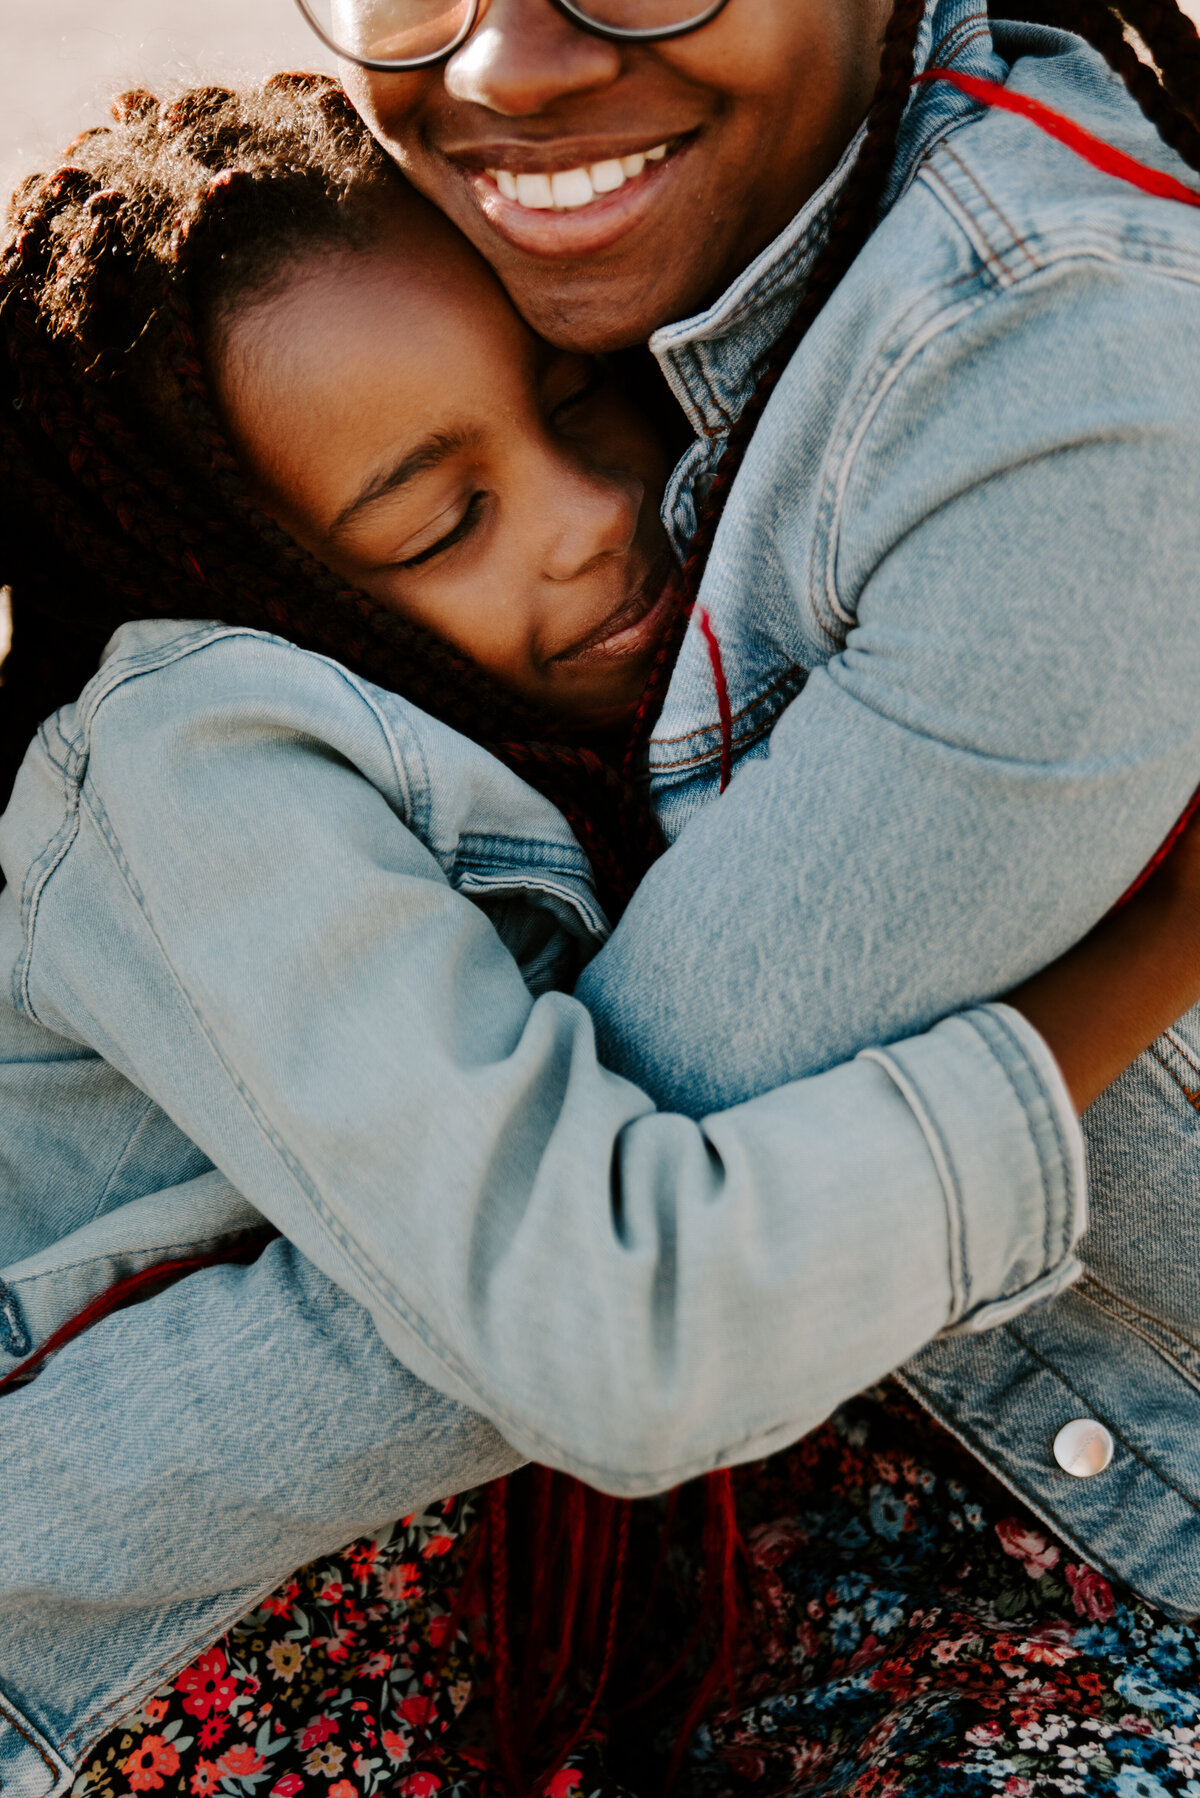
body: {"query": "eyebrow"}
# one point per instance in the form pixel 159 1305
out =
pixel 436 449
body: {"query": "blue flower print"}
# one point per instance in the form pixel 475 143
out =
pixel 1139 1687
pixel 1136 1782
pixel 888 1512
pixel 846 1631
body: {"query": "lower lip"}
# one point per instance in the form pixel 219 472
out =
pixel 631 640
pixel 586 230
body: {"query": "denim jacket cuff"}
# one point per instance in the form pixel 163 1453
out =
pixel 1011 1229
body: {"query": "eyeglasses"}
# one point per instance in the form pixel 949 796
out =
pixel 411 34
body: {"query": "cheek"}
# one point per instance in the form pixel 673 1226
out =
pixel 392 107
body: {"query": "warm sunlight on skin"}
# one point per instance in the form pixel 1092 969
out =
pixel 395 415
pixel 744 119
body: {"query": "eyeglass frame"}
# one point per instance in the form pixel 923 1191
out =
pixel 615 34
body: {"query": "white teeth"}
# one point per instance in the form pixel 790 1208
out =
pixel 535 191
pixel 572 188
pixel 607 176
pixel 568 189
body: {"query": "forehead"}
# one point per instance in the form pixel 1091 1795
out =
pixel 414 290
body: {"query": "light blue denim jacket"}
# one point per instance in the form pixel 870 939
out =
pixel 967 525
pixel 271 932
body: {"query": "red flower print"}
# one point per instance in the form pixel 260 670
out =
pixel 395 1746
pixel 417 1711
pixel 746 1761
pixel 316 1731
pixel 984 1734
pixel 565 1783
pixel 362 1557
pixel 280 1603
pixel 421 1785
pixel 775 1542
pixel 344 1788
pixel 439 1631
pixel 1049 1647
pixel 1035 1551
pixel 241 1761
pixel 155 1709
pixel 205 1780
pixel 1091 1594
pixel 207 1685
pixel 288 1786
pixel 214 1731
pixel 399 1581
pixel 151 1761
pixel 437 1545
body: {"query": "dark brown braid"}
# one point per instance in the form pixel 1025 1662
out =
pixel 113 261
pixel 121 497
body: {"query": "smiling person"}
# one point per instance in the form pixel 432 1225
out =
pixel 973 675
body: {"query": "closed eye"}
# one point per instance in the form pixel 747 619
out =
pixel 597 378
pixel 456 534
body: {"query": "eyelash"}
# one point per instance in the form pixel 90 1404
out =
pixel 462 529
pixel 591 386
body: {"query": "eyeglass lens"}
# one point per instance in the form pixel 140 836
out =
pixel 410 31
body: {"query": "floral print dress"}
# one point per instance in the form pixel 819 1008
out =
pixel 914 1631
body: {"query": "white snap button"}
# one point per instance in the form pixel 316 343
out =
pixel 1083 1447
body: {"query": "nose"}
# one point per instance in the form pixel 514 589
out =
pixel 593 517
pixel 524 56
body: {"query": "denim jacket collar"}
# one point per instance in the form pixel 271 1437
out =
pixel 712 361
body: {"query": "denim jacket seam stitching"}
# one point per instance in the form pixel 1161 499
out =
pixel 952 1194
pixel 1123 1310
pixel 201 1641
pixel 152 661
pixel 1057 1374
pixel 335 1230
pixel 27 1732
pixel 946 45
pixel 888 366
pixel 41 872
pixel 987 1453
pixel 706 757
pixel 122 1155
pixel 118 1253
pixel 766 693
pixel 1000 1023
pixel 1169 1071
pixel 1016 241
pixel 995 259
pixel 1182 1049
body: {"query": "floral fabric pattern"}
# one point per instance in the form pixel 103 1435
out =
pixel 918 1632
pixel 347 1681
pixel 914 1631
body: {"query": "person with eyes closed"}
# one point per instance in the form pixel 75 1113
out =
pixel 943 674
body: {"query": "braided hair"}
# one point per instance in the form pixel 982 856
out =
pixel 121 497
pixel 104 517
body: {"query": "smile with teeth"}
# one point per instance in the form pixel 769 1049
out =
pixel 569 189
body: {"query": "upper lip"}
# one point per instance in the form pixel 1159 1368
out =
pixel 631 610
pixel 525 157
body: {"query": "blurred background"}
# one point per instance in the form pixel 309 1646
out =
pixel 61 60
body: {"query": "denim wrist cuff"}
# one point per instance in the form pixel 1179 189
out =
pixel 1003 1135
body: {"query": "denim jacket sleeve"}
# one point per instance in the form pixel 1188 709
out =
pixel 235 916
pixel 982 537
